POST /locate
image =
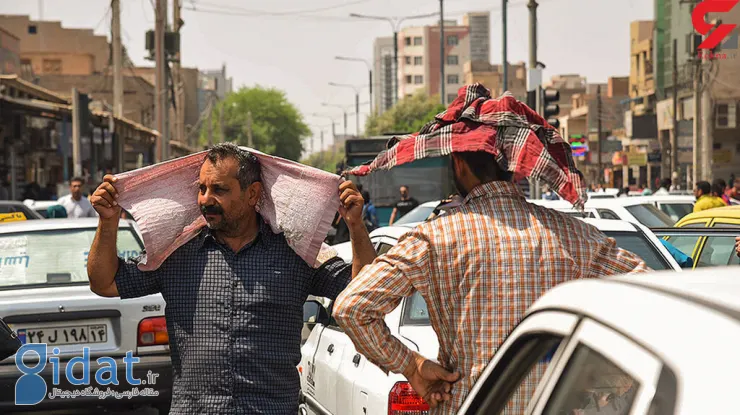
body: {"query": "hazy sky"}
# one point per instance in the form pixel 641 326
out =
pixel 289 45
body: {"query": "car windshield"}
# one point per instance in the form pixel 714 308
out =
pixel 418 214
pixel 677 210
pixel 6 209
pixel 639 244
pixel 650 216
pixel 53 257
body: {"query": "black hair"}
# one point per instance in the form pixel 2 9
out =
pixel 249 165
pixel 705 187
pixel 666 183
pixel 484 166
pixel 718 187
pixel 77 179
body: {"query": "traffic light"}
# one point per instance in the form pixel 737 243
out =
pixel 550 108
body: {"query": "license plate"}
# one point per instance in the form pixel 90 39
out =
pixel 82 334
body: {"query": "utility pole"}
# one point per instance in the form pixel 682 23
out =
pixel 177 73
pixel 504 47
pixel 674 136
pixel 357 114
pixel 599 132
pixel 322 141
pixel 221 122
pixel 707 130
pixel 442 59
pixel 696 160
pixel 76 133
pixel 532 5
pixel 160 79
pixel 117 58
pixel 210 122
pixel 250 142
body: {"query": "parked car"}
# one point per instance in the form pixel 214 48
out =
pixel 628 345
pixel 40 206
pixel 45 298
pixel 9 207
pixel 640 209
pixel 336 379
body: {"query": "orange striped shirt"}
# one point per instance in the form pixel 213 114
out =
pixel 479 268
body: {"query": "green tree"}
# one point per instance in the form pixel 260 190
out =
pixel 407 116
pixel 277 126
pixel 326 160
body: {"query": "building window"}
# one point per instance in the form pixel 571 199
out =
pixel 418 79
pixel 450 98
pixel 407 59
pixel 452 40
pixel 417 60
pixel 452 60
pixel 725 115
pixel 32 30
pixel 453 79
pixel 407 41
pixel 52 66
pixel 409 79
pixel 417 41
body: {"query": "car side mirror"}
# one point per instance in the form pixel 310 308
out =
pixel 9 341
pixel 314 312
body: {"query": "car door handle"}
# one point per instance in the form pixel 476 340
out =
pixel 356 360
pixel 330 349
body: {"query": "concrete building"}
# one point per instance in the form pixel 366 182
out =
pixel 10 53
pixel 491 76
pixel 480 35
pixel 383 74
pixel 419 59
pixel 50 48
pixel 213 82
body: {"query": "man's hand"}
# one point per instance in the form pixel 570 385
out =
pixel 104 198
pixel 737 246
pixel 352 204
pixel 430 380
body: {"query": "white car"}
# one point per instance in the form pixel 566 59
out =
pixel 647 210
pixel 45 298
pixel 336 379
pixel 661 343
pixel 40 206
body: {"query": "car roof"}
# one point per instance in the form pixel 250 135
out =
pixel 432 203
pixel 394 232
pixel 54 224
pixel 609 225
pixel 732 212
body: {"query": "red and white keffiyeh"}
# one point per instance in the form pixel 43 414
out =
pixel 519 138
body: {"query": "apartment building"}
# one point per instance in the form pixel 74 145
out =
pixel 383 74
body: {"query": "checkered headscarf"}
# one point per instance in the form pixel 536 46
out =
pixel 519 138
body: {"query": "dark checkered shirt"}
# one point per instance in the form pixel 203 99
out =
pixel 235 320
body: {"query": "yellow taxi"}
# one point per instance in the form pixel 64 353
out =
pixel 708 236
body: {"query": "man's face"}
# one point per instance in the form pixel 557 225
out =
pixel 76 189
pixel 697 192
pixel 222 201
pixel 456 168
pixel 404 192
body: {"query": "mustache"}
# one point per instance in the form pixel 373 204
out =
pixel 211 210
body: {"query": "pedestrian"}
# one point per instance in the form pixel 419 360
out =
pixel 403 206
pixel 705 199
pixel 234 293
pixel 548 194
pixel 76 204
pixel 369 213
pixel 734 191
pixel 480 266
pixel 664 189
pixel 719 187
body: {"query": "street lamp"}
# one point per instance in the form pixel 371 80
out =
pixel 333 125
pixel 357 102
pixel 369 71
pixel 395 23
pixel 344 109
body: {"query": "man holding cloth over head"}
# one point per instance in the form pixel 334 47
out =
pixel 234 292
pixel 480 266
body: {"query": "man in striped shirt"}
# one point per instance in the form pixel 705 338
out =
pixel 479 268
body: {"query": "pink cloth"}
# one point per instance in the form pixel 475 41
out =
pixel 298 201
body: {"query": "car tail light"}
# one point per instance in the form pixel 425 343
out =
pixel 153 331
pixel 403 400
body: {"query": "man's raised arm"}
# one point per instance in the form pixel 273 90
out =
pixel 102 262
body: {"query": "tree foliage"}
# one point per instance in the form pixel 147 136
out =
pixel 277 126
pixel 407 116
pixel 326 160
